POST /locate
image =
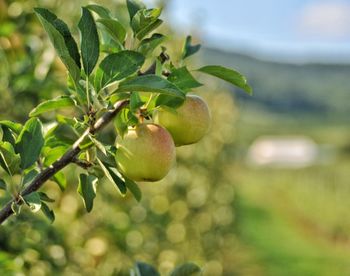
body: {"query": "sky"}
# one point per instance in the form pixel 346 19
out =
pixel 295 30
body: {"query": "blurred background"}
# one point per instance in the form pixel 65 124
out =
pixel 265 193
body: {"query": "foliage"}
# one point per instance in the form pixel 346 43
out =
pixel 124 66
pixel 90 93
pixel 305 90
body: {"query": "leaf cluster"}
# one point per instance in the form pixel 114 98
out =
pixel 112 62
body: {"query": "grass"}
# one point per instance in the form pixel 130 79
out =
pixel 295 222
pixel 283 243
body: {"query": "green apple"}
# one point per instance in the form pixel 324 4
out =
pixel 188 123
pixel 145 153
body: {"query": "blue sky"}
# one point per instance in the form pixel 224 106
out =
pixel 276 29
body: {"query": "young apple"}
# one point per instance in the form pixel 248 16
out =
pixel 188 123
pixel 145 153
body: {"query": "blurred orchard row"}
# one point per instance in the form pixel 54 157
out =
pixel 189 216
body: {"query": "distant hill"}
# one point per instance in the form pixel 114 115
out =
pixel 317 90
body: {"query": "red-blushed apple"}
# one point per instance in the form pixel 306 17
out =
pixel 145 153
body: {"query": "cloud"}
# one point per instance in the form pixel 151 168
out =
pixel 325 19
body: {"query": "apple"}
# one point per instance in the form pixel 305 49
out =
pixel 145 153
pixel 188 123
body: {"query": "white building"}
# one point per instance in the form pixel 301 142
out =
pixel 283 151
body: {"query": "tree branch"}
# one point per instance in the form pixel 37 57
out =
pixel 66 159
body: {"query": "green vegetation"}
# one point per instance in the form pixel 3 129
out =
pixel 212 209
pixel 315 91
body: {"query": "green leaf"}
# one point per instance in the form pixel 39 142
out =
pixel 2 185
pixel 143 269
pixel 76 88
pixel 134 189
pixel 189 49
pixel 134 6
pixel 53 154
pixel 98 145
pixel 87 190
pixel 47 212
pixel 30 142
pixel 63 133
pixel 149 28
pixel 111 46
pixel 135 101
pixel 145 21
pixel 90 45
pixel 151 83
pixel 166 100
pixel 29 177
pixel 60 179
pixel 121 122
pixel 188 269
pixel 54 104
pixel 15 127
pixel 148 45
pixel 112 175
pixel 9 160
pixel 44 197
pixel 183 79
pixel 114 28
pixel 33 201
pixel 62 40
pixel 101 11
pixel 159 68
pixel 120 65
pixel 228 75
pixel 8 135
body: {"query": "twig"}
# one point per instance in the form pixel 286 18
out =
pixel 66 159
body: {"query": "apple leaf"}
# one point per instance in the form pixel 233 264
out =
pixel 7 135
pixel 2 185
pixel 151 83
pixel 101 11
pixel 62 40
pixel 143 269
pixel 145 21
pixel 29 177
pixel 183 79
pixel 47 212
pixel 112 175
pixel 87 190
pixel 169 101
pixel 44 197
pixel 147 45
pixel 120 65
pixel 149 28
pixel 60 179
pixel 133 7
pixel 9 160
pixel 54 104
pixel 15 127
pixel 188 269
pixel 121 122
pixel 229 75
pixel 114 28
pixel 135 101
pixel 134 189
pixel 189 49
pixel 33 201
pixel 90 46
pixel 30 142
